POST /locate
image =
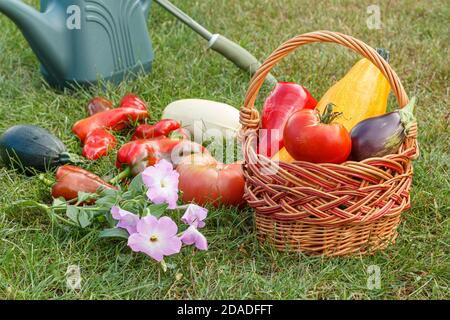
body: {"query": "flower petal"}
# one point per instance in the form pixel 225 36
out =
pixel 193 236
pixel 146 225
pixel 159 195
pixel 166 227
pixel 139 243
pixel 156 195
pixel 164 165
pixel 201 243
pixel 127 220
pixel 136 242
pixel 172 246
pixel 162 182
pixel 115 212
pixel 152 176
pixel 172 200
pixel 154 252
pixel 195 215
pixel 172 179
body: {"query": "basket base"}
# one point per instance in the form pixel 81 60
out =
pixel 313 239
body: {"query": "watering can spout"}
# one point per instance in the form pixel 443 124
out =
pixel 44 37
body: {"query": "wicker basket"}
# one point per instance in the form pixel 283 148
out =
pixel 328 209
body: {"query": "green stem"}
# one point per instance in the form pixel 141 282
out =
pixel 45 181
pixel 124 174
pixel 57 216
pixel 50 212
pixel 67 157
pixel 163 265
pixel 328 115
pixel 31 204
pixel 407 115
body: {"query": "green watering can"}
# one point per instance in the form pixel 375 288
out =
pixel 79 42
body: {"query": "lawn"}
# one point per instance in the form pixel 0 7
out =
pixel 35 255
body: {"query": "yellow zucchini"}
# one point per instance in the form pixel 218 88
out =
pixel 283 155
pixel 362 93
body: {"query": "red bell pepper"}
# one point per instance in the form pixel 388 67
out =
pixel 114 119
pixel 134 102
pixel 98 143
pixel 98 104
pixel 137 155
pixel 285 99
pixel 71 179
pixel 94 130
pixel 160 129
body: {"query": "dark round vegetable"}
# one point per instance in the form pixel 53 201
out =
pixel 30 147
pixel 382 135
pixel 377 137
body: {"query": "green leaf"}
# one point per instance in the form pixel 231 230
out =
pixel 110 220
pixel 72 213
pixel 84 218
pixel 84 196
pixel 59 202
pixel 107 202
pixel 114 233
pixel 146 212
pixel 79 215
pixel 157 210
pixel 108 198
pixel 137 184
pixel 109 193
pixel 128 195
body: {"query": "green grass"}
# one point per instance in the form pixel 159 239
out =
pixel 34 254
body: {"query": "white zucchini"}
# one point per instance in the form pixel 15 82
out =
pixel 204 118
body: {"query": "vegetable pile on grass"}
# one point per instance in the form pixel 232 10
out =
pixel 163 174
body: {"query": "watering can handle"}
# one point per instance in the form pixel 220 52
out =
pixel 238 55
pixel 146 4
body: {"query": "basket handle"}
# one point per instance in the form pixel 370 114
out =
pixel 250 116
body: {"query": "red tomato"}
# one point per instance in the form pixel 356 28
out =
pixel 204 180
pixel 311 137
pixel 285 98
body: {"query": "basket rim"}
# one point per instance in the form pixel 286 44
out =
pixel 250 115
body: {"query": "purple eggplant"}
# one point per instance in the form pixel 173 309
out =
pixel 381 135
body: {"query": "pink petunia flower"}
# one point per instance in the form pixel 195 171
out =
pixel 155 237
pixel 194 216
pixel 127 220
pixel 193 236
pixel 162 182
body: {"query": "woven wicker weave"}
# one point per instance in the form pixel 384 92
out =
pixel 329 209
